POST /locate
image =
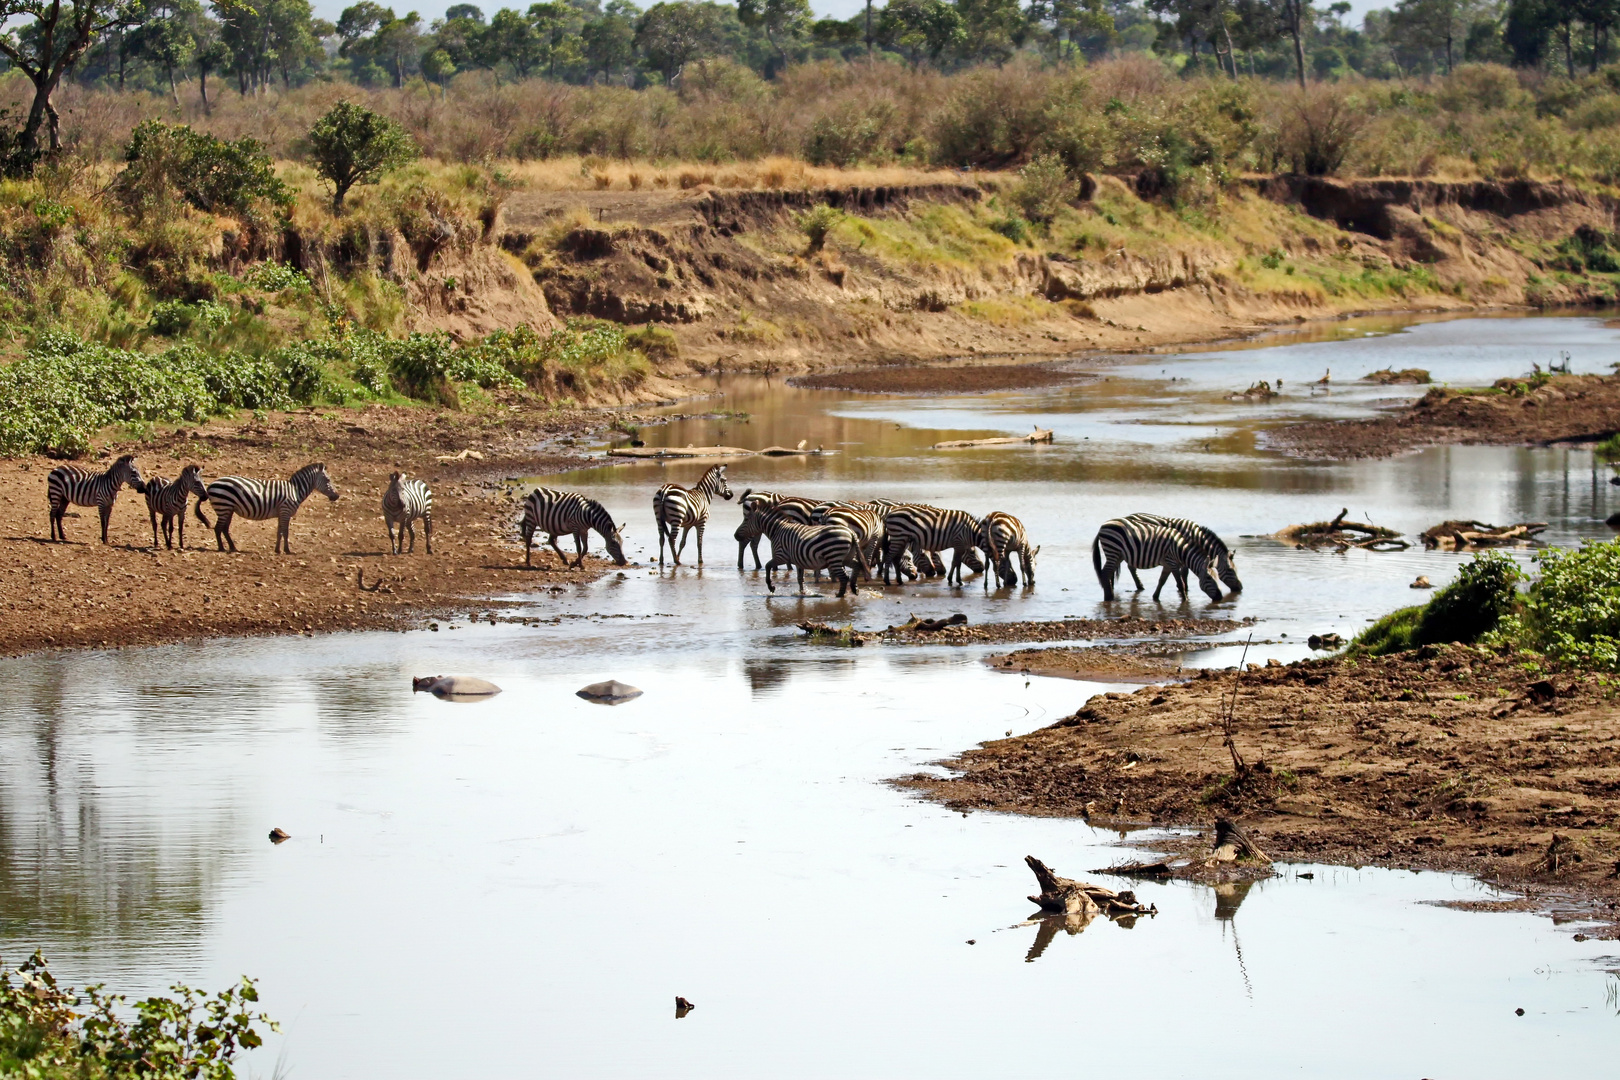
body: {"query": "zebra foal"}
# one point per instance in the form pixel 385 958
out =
pixel 1145 546
pixel 69 485
pixel 257 500
pixel 168 498
pixel 404 502
pixel 680 510
pixel 560 513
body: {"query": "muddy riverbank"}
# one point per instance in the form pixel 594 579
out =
pixel 128 593
pixel 1568 409
pixel 1451 758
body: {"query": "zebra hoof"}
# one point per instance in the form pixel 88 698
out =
pixel 612 692
pixel 455 687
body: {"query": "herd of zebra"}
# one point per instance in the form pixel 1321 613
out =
pixel 848 539
pixel 404 501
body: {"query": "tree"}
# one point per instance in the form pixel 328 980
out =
pixel 1073 26
pixel 780 20
pixel 373 34
pixel 556 30
pixel 1430 25
pixel 45 47
pixel 168 38
pixel 674 33
pixel 352 145
pixel 609 43
pixel 919 29
pixel 510 38
pixel 213 55
pixel 992 30
pixel 1294 17
pixel 269 36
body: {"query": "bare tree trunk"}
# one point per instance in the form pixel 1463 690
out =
pixel 202 82
pixel 869 29
pixel 1295 18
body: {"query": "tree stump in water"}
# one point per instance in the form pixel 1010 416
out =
pixel 1065 896
pixel 1233 844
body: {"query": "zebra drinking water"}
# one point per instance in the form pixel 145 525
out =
pixel 69 485
pixel 1212 547
pixel 829 547
pixel 257 500
pixel 404 502
pixel 561 513
pixel 168 499
pixel 930 529
pixel 680 510
pixel 1002 536
pixel 1148 545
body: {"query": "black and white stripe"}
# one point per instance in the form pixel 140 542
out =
pixel 830 547
pixel 748 533
pixel 257 500
pixel 404 502
pixel 1142 545
pixel 168 498
pixel 680 510
pixel 567 513
pixel 1002 536
pixel 1212 547
pixel 929 529
pixel 69 485
pixel 863 520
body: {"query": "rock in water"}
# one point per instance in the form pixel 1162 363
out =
pixel 455 687
pixel 612 692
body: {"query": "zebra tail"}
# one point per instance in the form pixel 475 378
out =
pixel 201 516
pixel 1097 565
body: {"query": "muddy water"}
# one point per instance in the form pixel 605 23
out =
pixel 522 886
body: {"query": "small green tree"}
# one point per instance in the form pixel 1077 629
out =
pixel 352 145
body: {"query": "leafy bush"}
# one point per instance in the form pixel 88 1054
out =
pixel 1012 227
pixel 657 343
pixel 816 223
pixel 279 277
pixel 166 161
pixel 577 358
pixel 174 317
pixel 352 145
pixel 1572 614
pixel 48 1033
pixel 1466 610
pixel 1044 189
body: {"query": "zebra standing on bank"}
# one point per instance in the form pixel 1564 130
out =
pixel 1212 547
pixel 680 510
pixel 69 485
pixel 1002 536
pixel 829 547
pixel 404 502
pixel 564 513
pixel 929 529
pixel 1142 545
pixel 168 498
pixel 257 500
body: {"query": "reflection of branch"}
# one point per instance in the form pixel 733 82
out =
pixel 1243 969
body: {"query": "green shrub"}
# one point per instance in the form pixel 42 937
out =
pixel 169 161
pixel 1572 613
pixel 816 223
pixel 352 145
pixel 50 1032
pixel 174 317
pixel 656 343
pixel 279 277
pixel 1392 633
pixel 1044 188
pixel 1012 227
pixel 1466 610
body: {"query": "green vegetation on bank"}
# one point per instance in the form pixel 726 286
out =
pixel 51 1032
pixel 1569 614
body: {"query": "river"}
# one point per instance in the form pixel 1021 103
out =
pixel 523 886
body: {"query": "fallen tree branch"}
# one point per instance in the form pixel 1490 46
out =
pixel 1064 896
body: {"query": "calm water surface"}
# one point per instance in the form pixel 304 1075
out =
pixel 522 886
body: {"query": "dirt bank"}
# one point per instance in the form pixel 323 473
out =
pixel 965 633
pixel 937 379
pixel 1564 409
pixel 1156 661
pixel 1450 758
pixel 84 594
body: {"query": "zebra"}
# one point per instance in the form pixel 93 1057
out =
pixel 69 485
pixel 748 534
pixel 929 529
pixel 404 502
pixel 168 499
pixel 1148 545
pixel 860 519
pixel 1002 536
pixel 680 510
pixel 560 513
pixel 257 500
pixel 811 547
pixel 1214 549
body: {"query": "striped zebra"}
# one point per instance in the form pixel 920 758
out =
pixel 930 529
pixel 69 485
pixel 1203 538
pixel 404 502
pixel 680 510
pixel 862 520
pixel 563 513
pixel 1002 536
pixel 829 547
pixel 1144 546
pixel 748 534
pixel 257 500
pixel 168 498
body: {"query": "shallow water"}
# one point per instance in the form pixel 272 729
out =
pixel 523 885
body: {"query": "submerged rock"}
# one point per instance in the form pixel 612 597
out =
pixel 612 692
pixel 458 687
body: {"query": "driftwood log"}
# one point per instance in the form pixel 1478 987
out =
pixel 1342 535
pixel 1260 391
pixel 1064 896
pixel 1459 535
pixel 1232 844
pixel 1039 435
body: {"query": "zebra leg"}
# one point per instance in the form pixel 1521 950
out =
pixel 801 580
pixel 770 574
pixel 686 531
pixel 388 523
pixel 106 519
pixel 427 532
pixel 582 541
pixel 152 514
pixel 410 526
pixel 181 525
pixel 1164 575
pixel 560 556
pixel 284 534
pixel 843 579
pixel 700 542
pixel 1139 585
pixel 57 532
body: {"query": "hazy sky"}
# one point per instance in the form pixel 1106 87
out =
pixel 843 9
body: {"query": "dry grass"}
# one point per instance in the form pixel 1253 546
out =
pixel 774 173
